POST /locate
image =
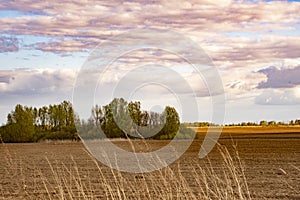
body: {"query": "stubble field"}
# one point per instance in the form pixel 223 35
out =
pixel 241 166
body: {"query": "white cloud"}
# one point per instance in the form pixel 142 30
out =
pixel 34 82
pixel 37 87
pixel 101 20
pixel 279 97
pixel 242 37
pixel 8 44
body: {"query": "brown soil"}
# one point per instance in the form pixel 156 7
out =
pixel 65 170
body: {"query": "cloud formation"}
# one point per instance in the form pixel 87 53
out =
pixel 80 25
pixel 241 37
pixel 280 77
pixel 279 97
pixel 66 46
pixel 34 87
pixel 35 82
pixel 8 44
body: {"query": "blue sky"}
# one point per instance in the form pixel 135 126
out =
pixel 255 46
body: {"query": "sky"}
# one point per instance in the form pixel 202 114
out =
pixel 254 45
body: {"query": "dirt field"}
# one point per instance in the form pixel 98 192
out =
pixel 65 170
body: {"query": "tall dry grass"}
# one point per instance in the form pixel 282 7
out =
pixel 92 180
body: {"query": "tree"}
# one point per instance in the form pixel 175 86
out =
pixel 135 113
pixel 122 119
pixel 44 117
pixel 263 123
pixel 69 115
pixel 27 124
pixel 271 123
pixel 114 111
pixel 20 124
pixel 170 119
pixel 97 114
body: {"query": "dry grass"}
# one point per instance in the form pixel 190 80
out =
pixel 74 181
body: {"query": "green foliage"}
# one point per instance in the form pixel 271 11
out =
pixel 27 124
pixel 263 123
pixel 170 119
pixel 185 132
pixel 120 119
pixel 271 123
pixel 199 124
pixel 20 125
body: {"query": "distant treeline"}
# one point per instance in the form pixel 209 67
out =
pixel 118 119
pixel 261 123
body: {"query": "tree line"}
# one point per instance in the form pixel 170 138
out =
pixel 122 119
pixel 263 123
pixel 118 119
pixel 266 123
pixel 31 124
